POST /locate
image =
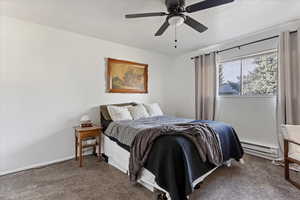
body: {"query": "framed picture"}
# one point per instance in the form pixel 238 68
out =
pixel 127 77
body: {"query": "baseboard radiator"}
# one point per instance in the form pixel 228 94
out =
pixel 259 150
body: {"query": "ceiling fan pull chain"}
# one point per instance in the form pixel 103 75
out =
pixel 175 37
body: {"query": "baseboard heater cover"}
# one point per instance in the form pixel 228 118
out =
pixel 259 150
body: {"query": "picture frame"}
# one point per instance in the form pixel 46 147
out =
pixel 126 76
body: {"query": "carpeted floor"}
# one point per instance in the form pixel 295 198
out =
pixel 258 179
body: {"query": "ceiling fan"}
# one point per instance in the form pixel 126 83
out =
pixel 176 16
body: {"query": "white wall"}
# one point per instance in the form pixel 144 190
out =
pixel 253 118
pixel 49 78
pixel 1 94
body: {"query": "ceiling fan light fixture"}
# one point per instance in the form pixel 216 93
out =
pixel 176 20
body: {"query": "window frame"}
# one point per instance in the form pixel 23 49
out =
pixel 241 58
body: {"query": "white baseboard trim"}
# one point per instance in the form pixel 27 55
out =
pixel 39 165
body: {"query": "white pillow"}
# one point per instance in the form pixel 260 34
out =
pixel 153 109
pixel 138 111
pixel 119 113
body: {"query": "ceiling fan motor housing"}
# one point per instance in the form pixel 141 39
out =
pixel 175 6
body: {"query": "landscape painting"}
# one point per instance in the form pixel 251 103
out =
pixel 127 77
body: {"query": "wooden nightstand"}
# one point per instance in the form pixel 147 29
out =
pixel 83 134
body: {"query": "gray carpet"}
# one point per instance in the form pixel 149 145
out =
pixel 258 179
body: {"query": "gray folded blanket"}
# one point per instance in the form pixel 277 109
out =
pixel 204 138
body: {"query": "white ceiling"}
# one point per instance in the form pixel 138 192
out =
pixel 105 19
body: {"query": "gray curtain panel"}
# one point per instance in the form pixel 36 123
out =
pixel 205 86
pixel 289 79
pixel 288 98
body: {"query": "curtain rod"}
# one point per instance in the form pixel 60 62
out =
pixel 242 45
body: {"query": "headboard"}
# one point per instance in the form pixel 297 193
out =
pixel 105 118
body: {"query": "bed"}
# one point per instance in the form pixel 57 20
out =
pixel 173 165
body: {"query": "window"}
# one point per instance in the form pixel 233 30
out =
pixel 249 76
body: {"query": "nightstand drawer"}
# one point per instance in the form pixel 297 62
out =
pixel 87 134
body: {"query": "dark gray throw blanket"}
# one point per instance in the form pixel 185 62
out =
pixel 203 137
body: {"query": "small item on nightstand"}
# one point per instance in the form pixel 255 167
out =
pixel 86 124
pixel 85 121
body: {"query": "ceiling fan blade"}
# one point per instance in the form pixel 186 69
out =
pixel 205 5
pixel 145 15
pixel 195 25
pixel 162 29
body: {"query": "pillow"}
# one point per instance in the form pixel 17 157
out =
pixel 138 111
pixel 104 111
pixel 153 109
pixel 119 113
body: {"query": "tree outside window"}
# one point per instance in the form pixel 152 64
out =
pixel 251 76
